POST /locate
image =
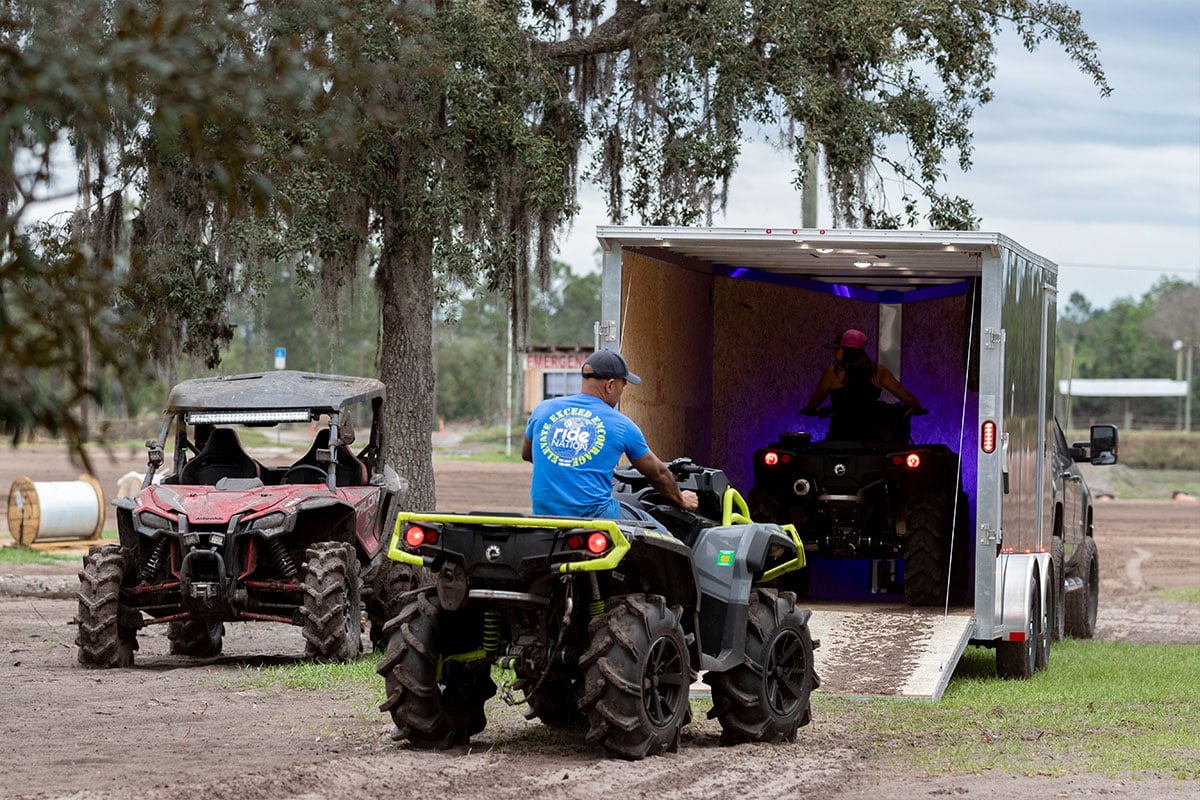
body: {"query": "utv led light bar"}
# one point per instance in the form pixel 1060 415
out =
pixel 233 417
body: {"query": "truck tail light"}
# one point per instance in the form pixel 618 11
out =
pixel 987 437
pixel 415 535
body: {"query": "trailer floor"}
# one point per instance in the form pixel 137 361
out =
pixel 891 649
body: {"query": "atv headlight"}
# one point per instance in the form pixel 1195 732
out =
pixel 270 524
pixel 148 519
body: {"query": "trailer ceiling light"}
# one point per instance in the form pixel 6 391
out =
pixel 987 438
pixel 597 543
pixel 862 264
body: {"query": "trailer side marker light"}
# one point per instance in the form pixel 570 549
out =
pixel 597 543
pixel 771 458
pixel 1017 636
pixel 912 461
pixel 415 536
pixel 987 438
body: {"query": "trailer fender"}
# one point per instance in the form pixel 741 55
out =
pixel 1013 573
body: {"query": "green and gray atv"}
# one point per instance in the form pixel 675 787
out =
pixel 602 623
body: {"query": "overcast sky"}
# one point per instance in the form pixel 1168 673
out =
pixel 1108 188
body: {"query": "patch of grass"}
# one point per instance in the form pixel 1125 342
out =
pixel 1104 707
pixel 1183 594
pixel 18 554
pixel 311 676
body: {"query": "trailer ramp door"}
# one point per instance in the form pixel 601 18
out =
pixel 887 649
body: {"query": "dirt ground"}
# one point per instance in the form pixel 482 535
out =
pixel 177 728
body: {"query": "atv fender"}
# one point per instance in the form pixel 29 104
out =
pixel 727 560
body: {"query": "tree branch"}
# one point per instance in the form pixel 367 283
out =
pixel 611 36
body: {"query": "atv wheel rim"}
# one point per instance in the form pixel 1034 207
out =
pixel 663 683
pixel 783 683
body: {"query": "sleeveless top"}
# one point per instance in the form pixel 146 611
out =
pixel 855 417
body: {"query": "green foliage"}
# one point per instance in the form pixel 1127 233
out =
pixel 17 554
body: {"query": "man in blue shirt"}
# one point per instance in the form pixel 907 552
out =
pixel 575 442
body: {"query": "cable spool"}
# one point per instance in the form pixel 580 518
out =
pixel 55 511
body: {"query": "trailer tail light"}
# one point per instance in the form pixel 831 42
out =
pixel 416 535
pixel 987 437
pixel 1017 636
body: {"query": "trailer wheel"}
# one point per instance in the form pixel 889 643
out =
pixel 107 631
pixel 766 697
pixel 195 638
pixel 332 608
pixel 926 548
pixel 1058 589
pixel 435 703
pixel 637 677
pixel 1019 659
pixel 1083 603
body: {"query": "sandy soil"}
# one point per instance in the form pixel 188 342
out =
pixel 177 728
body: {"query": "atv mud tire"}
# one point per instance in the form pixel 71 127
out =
pixel 392 582
pixel 637 677
pixel 195 638
pixel 332 608
pixel 926 549
pixel 431 711
pixel 766 697
pixel 107 631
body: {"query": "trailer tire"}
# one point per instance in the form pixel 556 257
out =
pixel 1083 603
pixel 195 638
pixel 926 549
pixel 637 677
pixel 766 697
pixel 1019 659
pixel 431 711
pixel 332 610
pixel 107 631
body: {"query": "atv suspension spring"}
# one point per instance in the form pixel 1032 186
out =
pixel 491 632
pixel 150 568
pixel 596 608
pixel 280 554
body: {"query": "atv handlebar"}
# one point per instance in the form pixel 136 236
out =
pixel 825 412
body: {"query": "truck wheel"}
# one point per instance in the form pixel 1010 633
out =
pixel 638 676
pixel 926 549
pixel 1083 603
pixel 1019 659
pixel 1058 589
pixel 766 697
pixel 332 608
pixel 107 632
pixel 392 582
pixel 194 638
pixel 431 711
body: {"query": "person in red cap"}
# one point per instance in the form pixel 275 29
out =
pixel 575 442
pixel 853 384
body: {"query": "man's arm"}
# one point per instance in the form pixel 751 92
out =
pixel 661 478
pixel 527 449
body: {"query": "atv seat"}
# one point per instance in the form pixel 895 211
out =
pixel 350 470
pixel 221 457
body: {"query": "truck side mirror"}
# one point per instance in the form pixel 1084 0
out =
pixel 1104 444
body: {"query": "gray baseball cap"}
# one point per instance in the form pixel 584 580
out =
pixel 605 364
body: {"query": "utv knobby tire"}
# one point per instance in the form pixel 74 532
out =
pixel 428 712
pixel 1083 603
pixel 332 610
pixel 107 632
pixel 637 677
pixel 195 638
pixel 926 549
pixel 766 697
pixel 392 582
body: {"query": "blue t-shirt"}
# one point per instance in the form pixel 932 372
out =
pixel 577 442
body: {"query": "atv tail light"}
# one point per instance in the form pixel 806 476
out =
pixel 597 543
pixel 575 542
pixel 771 458
pixel 912 460
pixel 987 437
pixel 415 536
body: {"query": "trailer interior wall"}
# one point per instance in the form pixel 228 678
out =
pixel 728 362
